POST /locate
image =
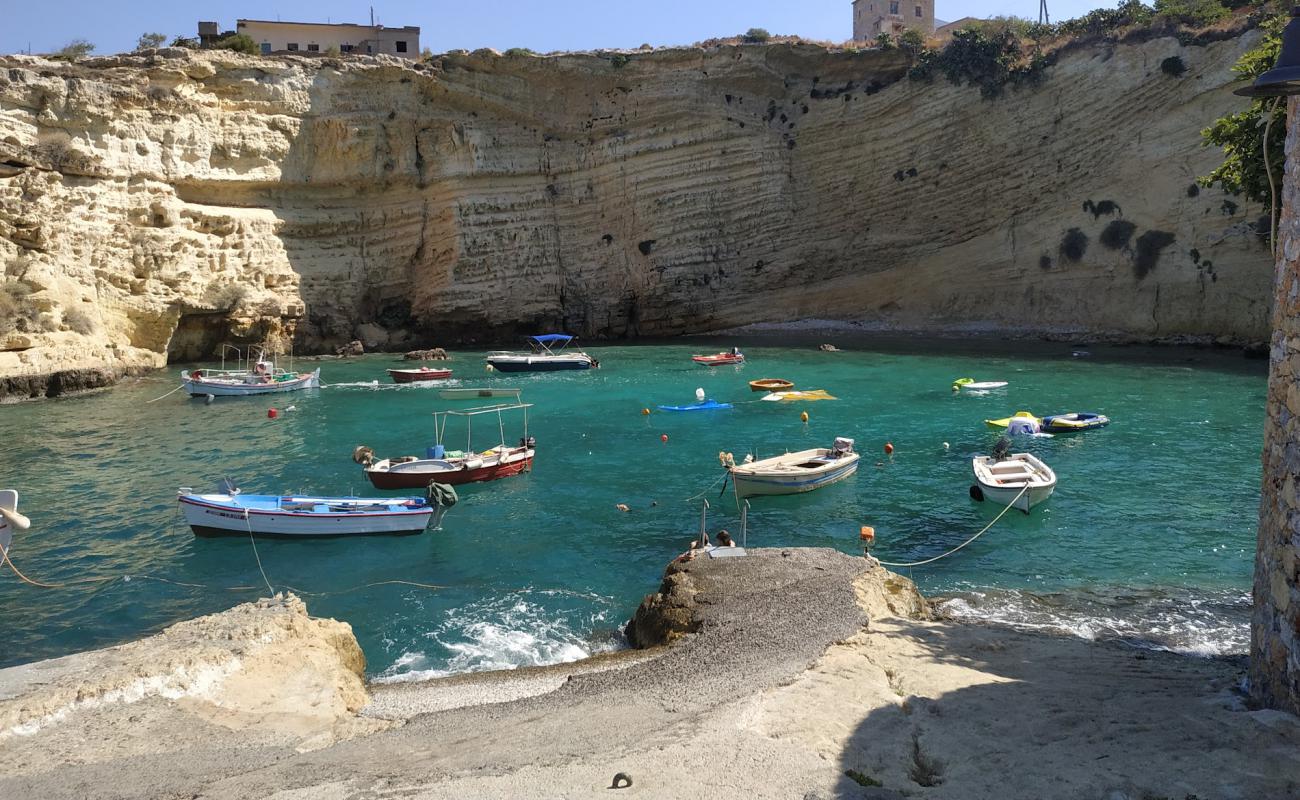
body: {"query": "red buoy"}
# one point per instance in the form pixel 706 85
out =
pixel 889 448
pixel 663 437
pixel 272 413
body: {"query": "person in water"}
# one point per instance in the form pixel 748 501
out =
pixel 724 539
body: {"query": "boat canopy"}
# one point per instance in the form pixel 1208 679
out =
pixel 548 338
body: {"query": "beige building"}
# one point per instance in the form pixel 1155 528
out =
pixel 874 17
pixel 319 37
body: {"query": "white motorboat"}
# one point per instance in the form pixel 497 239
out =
pixel 1020 480
pixel 258 375
pixel 793 473
pixel 548 355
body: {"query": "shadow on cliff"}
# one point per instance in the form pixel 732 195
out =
pixel 1012 714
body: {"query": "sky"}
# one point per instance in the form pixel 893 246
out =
pixel 113 27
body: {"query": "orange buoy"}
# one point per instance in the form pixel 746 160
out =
pixel 645 412
pixel 867 534
pixel 803 417
pixel 272 413
pixel 663 437
pixel 889 448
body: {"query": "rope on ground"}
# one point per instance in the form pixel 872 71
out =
pixel 169 394
pixel 963 544
pixel 253 542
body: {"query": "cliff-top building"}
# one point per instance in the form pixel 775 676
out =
pixel 874 17
pixel 319 37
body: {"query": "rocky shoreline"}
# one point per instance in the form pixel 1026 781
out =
pixel 794 673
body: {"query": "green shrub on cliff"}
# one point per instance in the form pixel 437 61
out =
pixel 1241 135
pixel 756 35
pixel 73 50
pixel 240 43
pixel 987 58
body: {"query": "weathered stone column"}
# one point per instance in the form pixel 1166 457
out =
pixel 1275 623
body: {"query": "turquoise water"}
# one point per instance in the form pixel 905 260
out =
pixel 1149 537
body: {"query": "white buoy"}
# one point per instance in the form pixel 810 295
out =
pixel 699 395
pixel 946 445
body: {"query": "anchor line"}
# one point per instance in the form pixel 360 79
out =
pixel 963 544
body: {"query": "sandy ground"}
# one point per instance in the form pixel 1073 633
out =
pixel 804 670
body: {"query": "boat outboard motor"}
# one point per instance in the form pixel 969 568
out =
pixel 442 495
pixel 528 442
pixel 841 447
pixel 1002 450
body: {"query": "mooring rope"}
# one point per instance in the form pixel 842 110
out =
pixel 253 541
pixel 963 544
pixel 708 489
pixel 169 394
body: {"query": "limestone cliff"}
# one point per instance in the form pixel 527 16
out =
pixel 156 206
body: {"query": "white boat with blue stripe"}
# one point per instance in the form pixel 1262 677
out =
pixel 795 473
pixel 236 514
pixel 548 355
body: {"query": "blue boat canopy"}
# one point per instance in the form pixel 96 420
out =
pixel 547 338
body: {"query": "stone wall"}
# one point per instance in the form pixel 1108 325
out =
pixel 1275 628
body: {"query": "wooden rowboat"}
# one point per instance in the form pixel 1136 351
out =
pixel 421 374
pixel 719 359
pixel 770 385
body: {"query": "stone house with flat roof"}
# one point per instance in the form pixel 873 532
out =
pixel 874 17
pixel 319 37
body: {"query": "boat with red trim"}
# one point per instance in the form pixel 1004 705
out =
pixel 721 359
pixel 416 375
pixel 454 467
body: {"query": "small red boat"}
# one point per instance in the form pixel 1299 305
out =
pixel 720 359
pixel 421 374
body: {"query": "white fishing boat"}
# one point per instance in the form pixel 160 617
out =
pixel 1020 480
pixel 235 514
pixel 256 375
pixel 548 355
pixel 793 473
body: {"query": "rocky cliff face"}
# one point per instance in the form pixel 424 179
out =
pixel 157 206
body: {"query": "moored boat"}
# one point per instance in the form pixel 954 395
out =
pixel 1075 421
pixel 259 375
pixel 703 405
pixel 548 355
pixel 235 514
pixel 770 385
pixel 1020 480
pixel 794 473
pixel 734 356
pixel 421 374
pixel 450 466
pixel 974 385
pixel 808 395
pixel 1056 423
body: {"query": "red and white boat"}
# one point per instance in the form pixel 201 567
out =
pixel 421 374
pixel 451 466
pixel 721 359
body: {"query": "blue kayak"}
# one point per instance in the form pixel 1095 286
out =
pixel 707 405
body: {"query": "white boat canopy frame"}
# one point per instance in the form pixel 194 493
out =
pixel 440 419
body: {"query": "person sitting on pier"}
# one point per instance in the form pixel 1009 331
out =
pixel 724 539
